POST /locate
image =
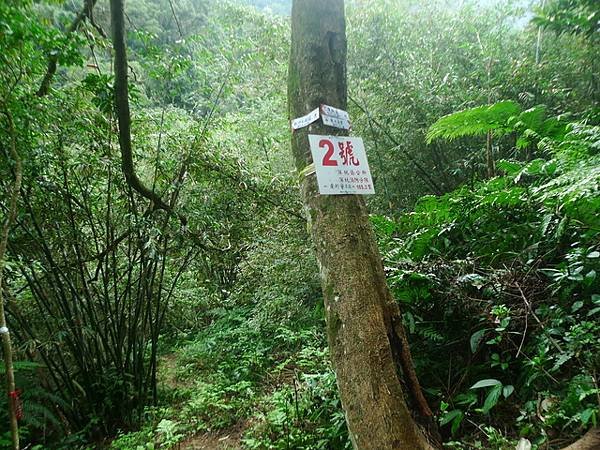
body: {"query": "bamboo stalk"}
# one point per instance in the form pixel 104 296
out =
pixel 6 342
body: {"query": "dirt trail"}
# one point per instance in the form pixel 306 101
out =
pixel 228 439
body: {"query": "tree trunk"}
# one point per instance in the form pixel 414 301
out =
pixel 589 441
pixel 489 155
pixel 356 296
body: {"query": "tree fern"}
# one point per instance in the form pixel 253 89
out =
pixel 580 142
pixel 576 188
pixel 532 126
pixel 475 121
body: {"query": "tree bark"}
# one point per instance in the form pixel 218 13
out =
pixel 357 299
pixel 589 441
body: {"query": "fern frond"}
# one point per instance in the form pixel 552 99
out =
pixel 429 333
pixel 532 119
pixel 579 183
pixel 40 395
pixel 475 121
pixel 578 143
pixel 38 415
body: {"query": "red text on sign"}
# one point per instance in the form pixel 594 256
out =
pixel 327 161
pixel 347 154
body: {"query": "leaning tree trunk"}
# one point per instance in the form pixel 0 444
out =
pixel 357 299
pixel 589 441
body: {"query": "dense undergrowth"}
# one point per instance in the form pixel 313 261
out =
pixel 498 284
pixel 262 362
pixel 501 276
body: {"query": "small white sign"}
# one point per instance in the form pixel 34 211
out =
pixel 327 110
pixel 341 165
pixel 306 120
pixel 336 122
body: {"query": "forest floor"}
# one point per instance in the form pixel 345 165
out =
pixel 227 439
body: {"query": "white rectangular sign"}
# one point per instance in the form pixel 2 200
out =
pixel 327 110
pixel 336 122
pixel 341 165
pixel 306 120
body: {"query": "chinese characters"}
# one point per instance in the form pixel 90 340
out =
pixel 347 153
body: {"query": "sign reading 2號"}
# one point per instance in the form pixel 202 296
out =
pixel 341 165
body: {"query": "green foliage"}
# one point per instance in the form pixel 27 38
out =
pixel 41 408
pixel 570 16
pixel 305 415
pixel 406 79
pixel 514 261
pixel 140 440
pixel 475 121
pixel 531 126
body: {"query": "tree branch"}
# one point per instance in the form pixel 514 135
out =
pixel 123 113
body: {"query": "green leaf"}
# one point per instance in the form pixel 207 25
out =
pixel 510 167
pixel 508 390
pixel 550 168
pixel 586 415
pixel 492 398
pixel 486 383
pixel 455 416
pixel 476 340
pixel 449 416
pixel 535 167
pixel 456 423
pixel 593 311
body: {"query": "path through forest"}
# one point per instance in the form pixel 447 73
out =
pixel 227 439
